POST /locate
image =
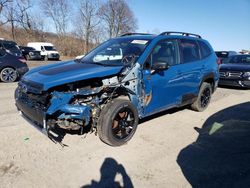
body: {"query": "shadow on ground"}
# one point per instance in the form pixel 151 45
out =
pixel 109 170
pixel 220 157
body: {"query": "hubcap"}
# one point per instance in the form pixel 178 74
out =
pixel 123 123
pixel 9 75
pixel 205 97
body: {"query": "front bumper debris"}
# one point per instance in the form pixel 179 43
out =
pixel 60 109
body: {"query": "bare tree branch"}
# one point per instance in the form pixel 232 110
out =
pixel 118 17
pixel 58 11
pixel 88 21
pixel 4 3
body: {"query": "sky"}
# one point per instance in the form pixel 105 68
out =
pixel 224 23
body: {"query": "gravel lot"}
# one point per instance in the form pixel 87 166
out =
pixel 177 148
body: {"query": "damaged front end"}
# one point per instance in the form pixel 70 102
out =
pixel 71 107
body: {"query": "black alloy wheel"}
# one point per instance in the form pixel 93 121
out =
pixel 118 122
pixel 123 123
pixel 205 97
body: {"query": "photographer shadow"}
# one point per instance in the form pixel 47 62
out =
pixel 220 157
pixel 109 170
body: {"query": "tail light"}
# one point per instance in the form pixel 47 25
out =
pixel 22 59
pixel 219 61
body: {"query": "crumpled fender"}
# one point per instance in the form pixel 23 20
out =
pixel 59 102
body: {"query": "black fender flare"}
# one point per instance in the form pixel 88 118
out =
pixel 209 77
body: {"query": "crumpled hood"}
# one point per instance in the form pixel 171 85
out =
pixel 235 67
pixel 67 72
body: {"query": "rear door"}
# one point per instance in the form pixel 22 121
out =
pixel 191 68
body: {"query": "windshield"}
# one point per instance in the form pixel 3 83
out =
pixel 117 52
pixel 241 59
pixel 49 48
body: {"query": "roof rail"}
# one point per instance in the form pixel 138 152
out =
pixel 181 33
pixel 128 34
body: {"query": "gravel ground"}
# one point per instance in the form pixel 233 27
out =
pixel 177 148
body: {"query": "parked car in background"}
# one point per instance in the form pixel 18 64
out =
pixel 10 47
pixel 12 67
pixel 236 71
pixel 47 50
pixel 224 55
pixel 120 81
pixel 30 53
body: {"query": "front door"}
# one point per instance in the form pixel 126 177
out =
pixel 163 88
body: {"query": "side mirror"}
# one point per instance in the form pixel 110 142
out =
pixel 161 65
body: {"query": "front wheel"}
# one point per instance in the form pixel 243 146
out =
pixel 8 74
pixel 117 122
pixel 203 98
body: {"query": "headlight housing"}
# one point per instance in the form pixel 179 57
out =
pixel 246 74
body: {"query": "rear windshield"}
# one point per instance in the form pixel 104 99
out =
pixel 11 46
pixel 222 54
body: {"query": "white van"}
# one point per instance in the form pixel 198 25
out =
pixel 46 49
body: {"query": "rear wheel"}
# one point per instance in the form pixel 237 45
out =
pixel 117 122
pixel 204 98
pixel 8 74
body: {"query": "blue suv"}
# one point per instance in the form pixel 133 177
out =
pixel 121 81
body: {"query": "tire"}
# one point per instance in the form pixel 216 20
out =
pixel 8 75
pixel 117 122
pixel 203 98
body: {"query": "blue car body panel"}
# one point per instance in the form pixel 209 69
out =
pixel 67 72
pixel 148 92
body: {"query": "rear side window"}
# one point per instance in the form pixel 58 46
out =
pixel 189 50
pixel 12 46
pixel 205 50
